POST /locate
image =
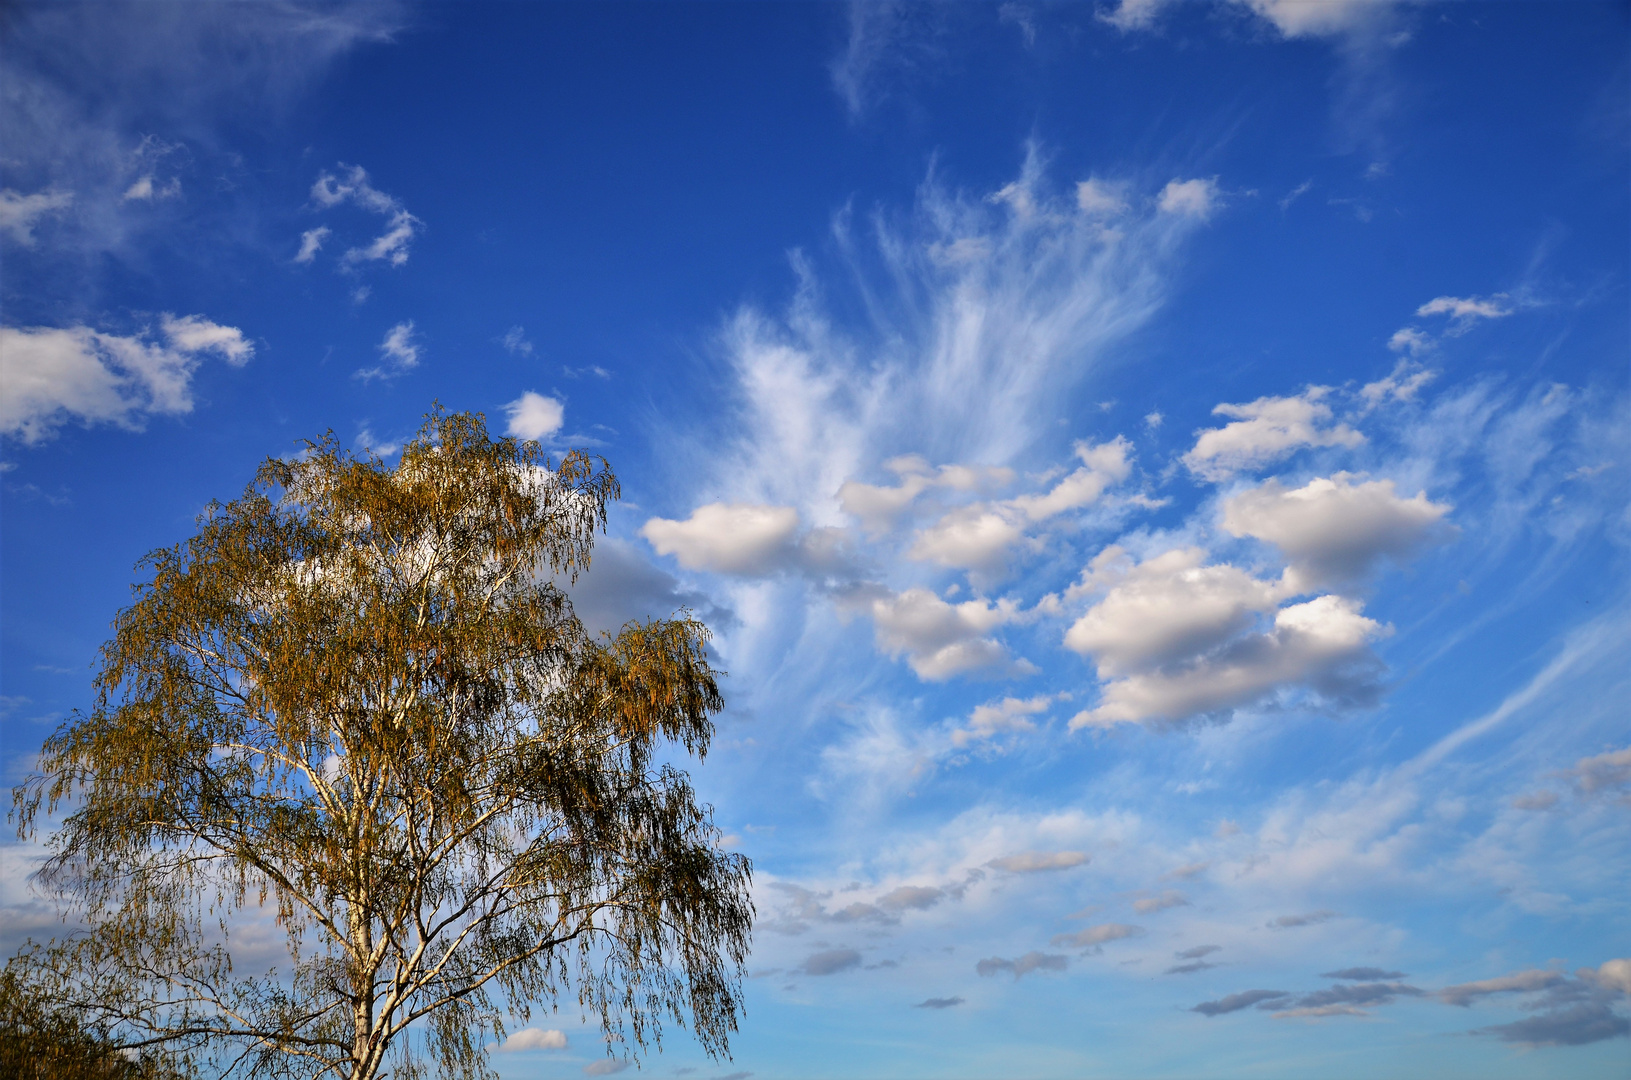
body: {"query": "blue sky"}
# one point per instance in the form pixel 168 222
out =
pixel 1157 473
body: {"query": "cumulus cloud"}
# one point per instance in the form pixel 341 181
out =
pixel 1349 996
pixel 1032 862
pixel 534 416
pixel 1265 431
pixel 1465 994
pixel 1091 937
pixel 1022 965
pixel 1334 530
pixel 1245 999
pixel 1174 639
pixel 1164 609
pixel 145 190
pixel 19 213
pixel 831 962
pixel 939 639
pixel 398 352
pixel 1100 198
pixel 1006 716
pixel 52 375
pixel 1190 198
pixel 351 185
pixel 979 536
pixel 531 1038
pixel 728 538
pixel 1290 18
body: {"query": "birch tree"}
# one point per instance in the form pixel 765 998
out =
pixel 357 707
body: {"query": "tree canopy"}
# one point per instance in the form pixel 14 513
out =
pixel 357 705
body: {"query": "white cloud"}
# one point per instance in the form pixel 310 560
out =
pixel 1006 716
pixel 534 416
pixel 1410 340
pixel 1133 14
pixel 144 190
pixel 606 1066
pixel 1032 862
pixel 1333 531
pixel 18 213
pixel 979 536
pixel 1265 431
pixel 354 187
pixel 728 538
pixel 1166 609
pixel 938 639
pixel 1099 198
pixel 50 375
pixel 1322 644
pixel 1401 384
pixel 531 1038
pixel 399 352
pixel 311 241
pixel 1319 18
pixel 1467 309
pixel 1197 198
pixel 878 506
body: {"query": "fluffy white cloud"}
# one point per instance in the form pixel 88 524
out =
pixel 398 351
pixel 1197 198
pixel 1410 340
pixel 1323 644
pixel 1000 717
pixel 18 213
pixel 939 639
pixel 728 538
pixel 531 1038
pixel 1333 531
pixel 878 506
pixel 979 537
pixel 1165 609
pixel 534 416
pixel 49 375
pixel 1265 431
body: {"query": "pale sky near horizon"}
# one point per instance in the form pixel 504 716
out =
pixel 1157 472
